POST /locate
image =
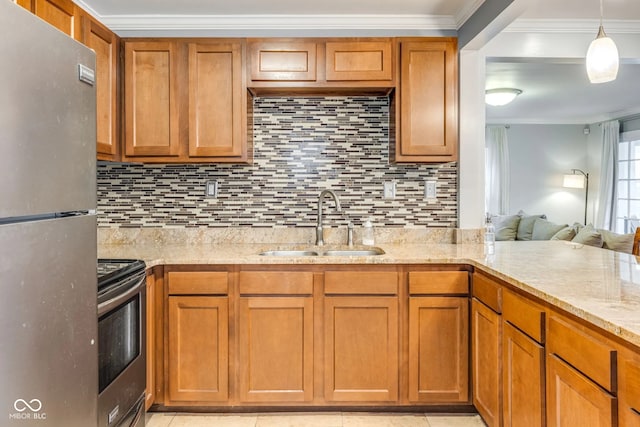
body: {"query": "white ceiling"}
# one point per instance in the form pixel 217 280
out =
pixel 554 91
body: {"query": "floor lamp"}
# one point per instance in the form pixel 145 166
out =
pixel 578 179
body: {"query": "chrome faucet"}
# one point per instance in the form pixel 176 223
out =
pixel 319 231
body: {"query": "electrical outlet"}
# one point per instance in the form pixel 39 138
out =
pixel 389 190
pixel 212 189
pixel 430 190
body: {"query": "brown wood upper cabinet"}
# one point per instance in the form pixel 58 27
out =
pixel 106 45
pixel 217 102
pixel 62 14
pixel 169 82
pixel 352 61
pixel 151 99
pixel 282 60
pixel 427 104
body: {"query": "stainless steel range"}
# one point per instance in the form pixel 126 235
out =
pixel 121 342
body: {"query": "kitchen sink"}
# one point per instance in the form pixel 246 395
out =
pixel 369 251
pixel 289 253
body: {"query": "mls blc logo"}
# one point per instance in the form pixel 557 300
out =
pixel 28 410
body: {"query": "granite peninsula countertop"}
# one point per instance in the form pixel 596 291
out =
pixel 597 285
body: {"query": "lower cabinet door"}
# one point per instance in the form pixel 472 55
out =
pixel 486 362
pixel 573 400
pixel 198 349
pixel 438 349
pixel 276 349
pixel 629 389
pixel 361 349
pixel 523 380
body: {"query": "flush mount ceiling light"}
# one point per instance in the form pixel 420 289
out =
pixel 501 96
pixel 602 57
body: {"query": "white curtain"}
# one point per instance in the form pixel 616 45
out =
pixel 606 207
pixel 496 170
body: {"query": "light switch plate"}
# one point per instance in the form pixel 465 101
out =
pixel 211 189
pixel 389 190
pixel 430 190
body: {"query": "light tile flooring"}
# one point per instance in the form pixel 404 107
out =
pixel 332 419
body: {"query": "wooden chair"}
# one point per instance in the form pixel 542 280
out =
pixel 635 249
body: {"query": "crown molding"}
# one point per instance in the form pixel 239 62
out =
pixel 466 12
pixel 276 22
pixel 572 26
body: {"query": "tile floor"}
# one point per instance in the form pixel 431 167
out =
pixel 332 419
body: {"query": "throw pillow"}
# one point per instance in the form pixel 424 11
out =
pixel 545 230
pixel 589 236
pixel 617 242
pixel 566 233
pixel 525 228
pixel 506 226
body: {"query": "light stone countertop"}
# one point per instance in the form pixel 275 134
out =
pixel 597 285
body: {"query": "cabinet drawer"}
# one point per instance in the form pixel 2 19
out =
pixel 359 61
pixel 198 282
pixel 361 282
pixel 488 292
pixel 592 356
pixel 438 282
pixel 524 315
pixel 276 282
pixel 282 61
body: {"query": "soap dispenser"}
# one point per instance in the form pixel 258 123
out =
pixel 367 233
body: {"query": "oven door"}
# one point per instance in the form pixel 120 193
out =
pixel 121 352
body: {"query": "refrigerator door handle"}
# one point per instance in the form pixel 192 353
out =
pixel 114 302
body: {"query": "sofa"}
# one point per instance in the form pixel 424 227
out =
pixel 522 226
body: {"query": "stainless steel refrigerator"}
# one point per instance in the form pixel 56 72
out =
pixel 48 320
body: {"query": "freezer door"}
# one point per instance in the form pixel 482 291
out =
pixel 48 323
pixel 47 117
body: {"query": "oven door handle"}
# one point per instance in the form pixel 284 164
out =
pixel 109 305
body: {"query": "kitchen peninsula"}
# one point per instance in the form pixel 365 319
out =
pixel 563 317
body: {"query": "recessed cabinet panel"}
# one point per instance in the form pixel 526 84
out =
pixel 438 349
pixel 216 113
pixel 486 362
pixel 59 13
pixel 428 102
pixel 573 400
pixel 151 115
pixel 523 380
pixel 276 349
pixel 359 61
pixel 105 44
pixel 198 349
pixel 361 349
pixel 286 61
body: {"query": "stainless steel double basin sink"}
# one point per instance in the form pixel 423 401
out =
pixel 368 251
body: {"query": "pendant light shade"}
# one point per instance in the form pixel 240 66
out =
pixel 602 57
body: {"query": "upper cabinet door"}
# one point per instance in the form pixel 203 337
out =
pixel 59 13
pixel 217 101
pixel 27 4
pixel 428 130
pixel 282 60
pixel 151 104
pixel 348 61
pixel 105 44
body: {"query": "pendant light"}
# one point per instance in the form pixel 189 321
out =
pixel 602 57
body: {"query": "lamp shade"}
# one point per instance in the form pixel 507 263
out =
pixel 602 59
pixel 501 96
pixel 573 181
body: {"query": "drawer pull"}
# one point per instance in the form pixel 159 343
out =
pixel 635 411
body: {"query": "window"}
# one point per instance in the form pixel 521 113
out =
pixel 628 203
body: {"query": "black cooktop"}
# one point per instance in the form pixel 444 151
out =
pixel 111 271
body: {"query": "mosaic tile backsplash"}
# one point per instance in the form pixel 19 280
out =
pixel 301 146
